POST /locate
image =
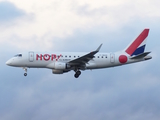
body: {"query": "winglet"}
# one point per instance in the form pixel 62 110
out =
pixel 99 48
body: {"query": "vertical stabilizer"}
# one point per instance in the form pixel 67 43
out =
pixel 138 45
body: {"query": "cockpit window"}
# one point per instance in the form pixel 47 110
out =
pixel 18 55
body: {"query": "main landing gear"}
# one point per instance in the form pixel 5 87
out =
pixel 77 74
pixel 25 69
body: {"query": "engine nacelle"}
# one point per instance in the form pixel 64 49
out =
pixel 57 71
pixel 61 66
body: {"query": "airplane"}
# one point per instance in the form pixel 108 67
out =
pixel 62 62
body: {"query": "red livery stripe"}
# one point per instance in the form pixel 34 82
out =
pixel 130 50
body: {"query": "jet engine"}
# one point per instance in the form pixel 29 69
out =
pixel 58 66
pixel 61 66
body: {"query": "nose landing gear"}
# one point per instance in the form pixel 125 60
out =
pixel 25 74
pixel 77 74
pixel 25 69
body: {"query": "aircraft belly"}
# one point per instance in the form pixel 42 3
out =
pixel 91 66
pixel 38 64
pixel 98 64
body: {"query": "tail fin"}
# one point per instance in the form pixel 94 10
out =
pixel 138 45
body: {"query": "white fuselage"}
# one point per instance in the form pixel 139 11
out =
pixel 47 59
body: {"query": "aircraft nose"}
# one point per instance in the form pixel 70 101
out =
pixel 8 62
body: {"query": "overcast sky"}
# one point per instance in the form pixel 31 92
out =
pixel 130 92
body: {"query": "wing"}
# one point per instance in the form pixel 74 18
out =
pixel 84 59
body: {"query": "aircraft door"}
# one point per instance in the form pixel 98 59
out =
pixel 112 57
pixel 31 56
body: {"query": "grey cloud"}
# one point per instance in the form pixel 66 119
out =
pixel 9 12
pixel 91 37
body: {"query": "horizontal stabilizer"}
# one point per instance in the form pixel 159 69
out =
pixel 140 55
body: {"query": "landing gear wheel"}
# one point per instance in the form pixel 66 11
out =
pixel 25 74
pixel 77 74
